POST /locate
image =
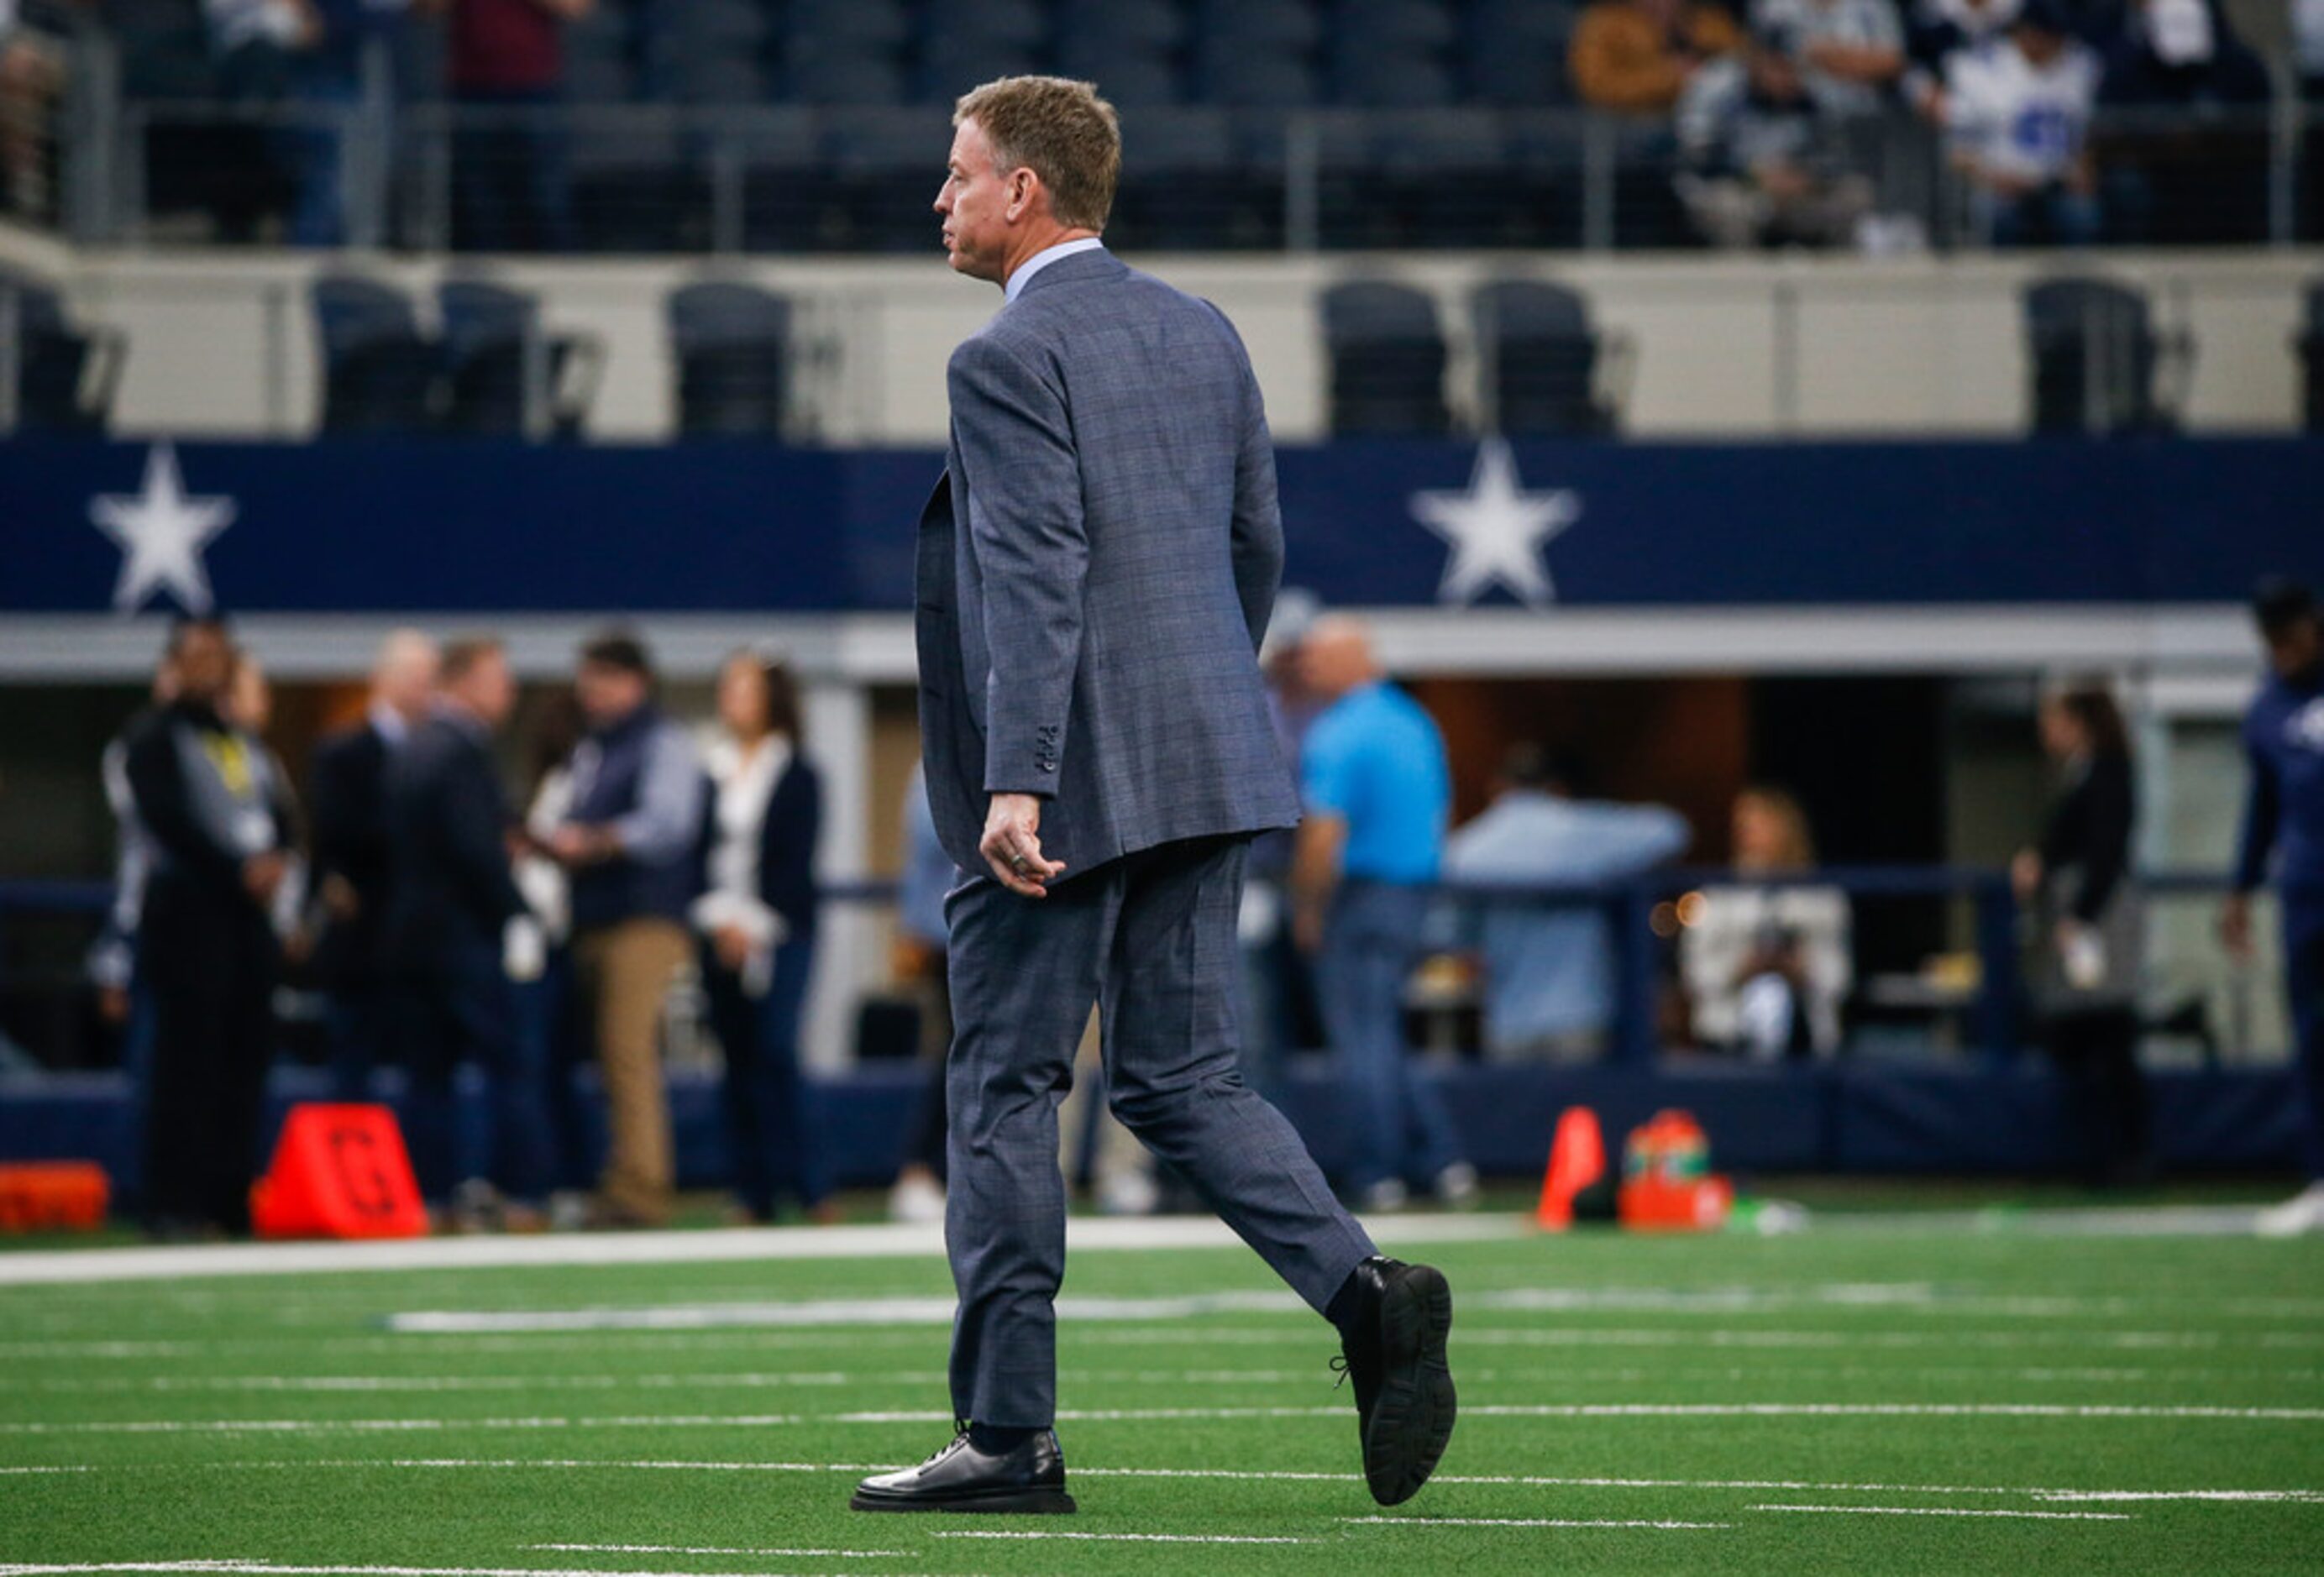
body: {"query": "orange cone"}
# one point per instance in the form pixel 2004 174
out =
pixel 1577 1158
pixel 338 1172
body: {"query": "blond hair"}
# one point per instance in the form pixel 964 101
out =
pixel 1061 131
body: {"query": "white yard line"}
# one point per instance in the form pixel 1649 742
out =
pixel 1171 1415
pixel 714 1550
pixel 1955 1511
pixel 1130 1539
pixel 1525 1522
pixel 59 1267
pixel 1503 1481
pixel 276 1569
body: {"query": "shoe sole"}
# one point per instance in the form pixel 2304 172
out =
pixel 1027 1502
pixel 1412 1420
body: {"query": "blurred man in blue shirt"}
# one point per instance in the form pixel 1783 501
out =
pixel 1549 974
pixel 2283 827
pixel 1377 793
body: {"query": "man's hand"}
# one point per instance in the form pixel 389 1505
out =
pixel 2236 926
pixel 574 844
pixel 2025 875
pixel 1011 845
pixel 732 946
pixel 262 874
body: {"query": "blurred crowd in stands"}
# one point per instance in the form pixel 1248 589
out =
pixel 450 925
pixel 1805 123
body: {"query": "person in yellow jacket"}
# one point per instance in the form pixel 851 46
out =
pixel 1635 56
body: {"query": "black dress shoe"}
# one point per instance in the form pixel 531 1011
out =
pixel 960 1477
pixel 1395 1354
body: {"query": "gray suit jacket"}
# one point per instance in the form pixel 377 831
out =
pixel 1095 571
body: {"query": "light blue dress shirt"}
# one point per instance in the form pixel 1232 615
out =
pixel 1549 972
pixel 1041 260
pixel 1375 759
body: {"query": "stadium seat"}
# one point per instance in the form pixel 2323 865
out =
pixel 731 343
pixel 1155 25
pixel 1183 181
pixel 819 24
pixel 1541 362
pixel 379 374
pixel 951 63
pixel 1517 51
pixel 1387 360
pixel 1447 176
pixel 847 74
pixel 1231 73
pixel 787 185
pixel 65 376
pixel 2098 364
pixel 1020 22
pixel 492 335
pixel 2311 346
pixel 886 164
pixel 1131 76
pixel 1293 26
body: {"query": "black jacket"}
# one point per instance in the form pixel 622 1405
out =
pixel 348 792
pixel 448 822
pixel 2088 834
pixel 786 842
pixel 197 849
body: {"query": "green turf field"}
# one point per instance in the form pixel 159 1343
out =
pixel 1938 1397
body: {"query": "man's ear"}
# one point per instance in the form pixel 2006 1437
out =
pixel 1023 187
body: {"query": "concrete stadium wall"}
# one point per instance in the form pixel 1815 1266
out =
pixel 223 346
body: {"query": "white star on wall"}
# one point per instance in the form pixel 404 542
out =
pixel 1497 530
pixel 160 534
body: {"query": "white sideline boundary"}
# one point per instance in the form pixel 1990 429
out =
pixel 1955 1511
pixel 65 1267
pixel 1280 1475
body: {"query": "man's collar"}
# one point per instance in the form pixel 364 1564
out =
pixel 1043 259
pixel 387 723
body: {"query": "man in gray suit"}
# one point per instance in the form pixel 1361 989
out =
pixel 1095 572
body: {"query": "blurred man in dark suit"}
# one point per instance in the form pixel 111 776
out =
pixel 447 829
pixel 352 872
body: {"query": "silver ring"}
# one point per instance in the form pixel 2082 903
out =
pixel 1017 864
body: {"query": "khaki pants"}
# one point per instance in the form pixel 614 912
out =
pixel 624 972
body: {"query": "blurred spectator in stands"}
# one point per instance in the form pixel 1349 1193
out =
pixel 205 791
pixel 2283 841
pixel 921 953
pixel 2090 927
pixel 347 790
pixel 1935 30
pixel 509 183
pixel 121 1001
pixel 1848 52
pixel 757 924
pixel 629 843
pixel 1764 167
pixel 1378 790
pixel 34 57
pixel 444 947
pixel 2018 108
pixel 2182 101
pixel 256 44
pixel 540 954
pixel 329 82
pixel 1549 968
pixel 1766 967
pixel 1636 55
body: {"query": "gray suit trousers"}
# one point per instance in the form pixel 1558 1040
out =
pixel 1150 939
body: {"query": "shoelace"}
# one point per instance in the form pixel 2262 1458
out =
pixel 1339 1367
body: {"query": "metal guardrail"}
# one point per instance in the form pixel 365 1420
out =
pixel 776 177
pixel 1995 1016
